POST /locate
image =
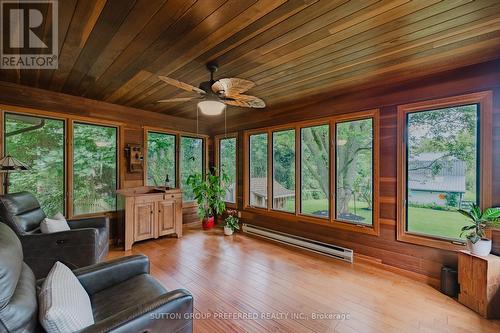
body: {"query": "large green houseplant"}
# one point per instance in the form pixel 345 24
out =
pixel 476 231
pixel 209 192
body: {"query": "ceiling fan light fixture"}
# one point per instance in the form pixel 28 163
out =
pixel 211 107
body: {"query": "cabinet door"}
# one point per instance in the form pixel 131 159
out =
pixel 144 221
pixel 167 216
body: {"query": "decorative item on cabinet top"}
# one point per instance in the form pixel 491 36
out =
pixel 148 212
pixel 135 157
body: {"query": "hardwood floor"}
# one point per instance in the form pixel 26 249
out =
pixel 240 276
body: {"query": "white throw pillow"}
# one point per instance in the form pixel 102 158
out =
pixel 59 216
pixel 64 306
pixel 49 226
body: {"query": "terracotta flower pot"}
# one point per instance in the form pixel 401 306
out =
pixel 208 223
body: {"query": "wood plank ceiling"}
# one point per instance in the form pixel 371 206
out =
pixel 297 51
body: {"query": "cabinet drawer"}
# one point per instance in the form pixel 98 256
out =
pixel 170 196
pixel 148 198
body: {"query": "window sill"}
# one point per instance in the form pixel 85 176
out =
pixel 231 205
pixel 335 224
pixel 442 244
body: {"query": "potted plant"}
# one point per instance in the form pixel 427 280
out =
pixel 232 222
pixel 481 220
pixel 209 193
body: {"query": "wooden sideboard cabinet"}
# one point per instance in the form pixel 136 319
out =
pixel 149 213
pixel 479 279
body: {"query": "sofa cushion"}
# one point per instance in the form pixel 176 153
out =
pixel 130 293
pixel 64 306
pixel 11 263
pixel 17 285
pixel 20 314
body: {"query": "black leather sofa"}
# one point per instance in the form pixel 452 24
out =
pixel 124 297
pixel 85 244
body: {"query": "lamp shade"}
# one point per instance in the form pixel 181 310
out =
pixel 9 163
pixel 211 107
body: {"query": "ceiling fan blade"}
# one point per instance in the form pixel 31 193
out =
pixel 181 85
pixel 246 101
pixel 176 100
pixel 230 87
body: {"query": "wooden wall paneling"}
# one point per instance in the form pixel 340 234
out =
pixel 383 93
pixel 420 259
pixel 22 96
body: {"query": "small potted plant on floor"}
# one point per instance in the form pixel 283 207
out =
pixel 209 194
pixel 232 222
pixel 477 242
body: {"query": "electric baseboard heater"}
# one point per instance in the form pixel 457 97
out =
pixel 330 250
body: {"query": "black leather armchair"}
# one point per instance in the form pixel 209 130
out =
pixel 124 297
pixel 85 244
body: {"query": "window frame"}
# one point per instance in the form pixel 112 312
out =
pixel 145 155
pixel 68 149
pixel 70 170
pixel 246 171
pixel 374 115
pixel 217 140
pixel 484 101
pixel 203 156
pixel 271 195
pixel 297 216
pixel 65 152
pixel 178 135
pixel 299 158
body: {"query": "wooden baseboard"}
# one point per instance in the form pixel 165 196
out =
pixel 376 262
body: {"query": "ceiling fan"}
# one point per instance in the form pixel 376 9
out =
pixel 214 95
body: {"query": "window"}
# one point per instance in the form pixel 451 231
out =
pixel 333 159
pixel 442 167
pixel 191 153
pixel 315 171
pixel 284 170
pixel 94 168
pixel 258 170
pixel 227 166
pixel 354 171
pixel 445 164
pixel 161 159
pixel 39 143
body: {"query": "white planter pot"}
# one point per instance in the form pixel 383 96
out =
pixel 481 248
pixel 228 231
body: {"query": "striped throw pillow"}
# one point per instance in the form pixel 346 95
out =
pixel 64 305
